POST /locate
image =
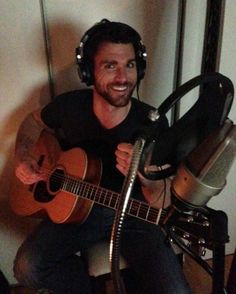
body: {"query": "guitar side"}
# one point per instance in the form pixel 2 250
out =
pixel 39 200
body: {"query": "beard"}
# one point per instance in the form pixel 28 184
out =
pixel 116 97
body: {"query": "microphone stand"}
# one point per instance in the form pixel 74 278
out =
pixel 120 215
pixel 144 137
pixel 208 228
pixel 219 235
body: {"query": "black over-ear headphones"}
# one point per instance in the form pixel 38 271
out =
pixel 84 68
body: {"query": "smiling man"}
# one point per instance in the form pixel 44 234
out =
pixel 103 122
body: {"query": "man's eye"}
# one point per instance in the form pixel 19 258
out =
pixel 131 64
pixel 109 66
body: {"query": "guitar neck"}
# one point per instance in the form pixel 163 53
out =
pixel 110 199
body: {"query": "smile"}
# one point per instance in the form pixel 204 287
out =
pixel 120 88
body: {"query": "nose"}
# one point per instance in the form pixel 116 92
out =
pixel 121 75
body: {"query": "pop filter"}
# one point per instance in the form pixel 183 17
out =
pixel 208 113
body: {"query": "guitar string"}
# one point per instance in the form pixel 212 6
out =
pixel 136 207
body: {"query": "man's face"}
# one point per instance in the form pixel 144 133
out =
pixel 115 73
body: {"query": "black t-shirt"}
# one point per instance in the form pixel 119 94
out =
pixel 71 116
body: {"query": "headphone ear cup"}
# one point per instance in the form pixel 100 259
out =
pixel 142 54
pixel 141 69
pixel 83 67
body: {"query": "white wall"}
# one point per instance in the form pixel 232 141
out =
pixel 23 86
pixel 24 75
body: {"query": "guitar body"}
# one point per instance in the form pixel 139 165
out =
pixel 46 198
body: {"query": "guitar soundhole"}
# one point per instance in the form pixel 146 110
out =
pixel 56 180
pixel 41 193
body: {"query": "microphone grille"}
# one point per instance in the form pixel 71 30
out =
pixel 220 168
pixel 213 159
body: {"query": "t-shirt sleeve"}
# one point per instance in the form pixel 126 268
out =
pixel 52 114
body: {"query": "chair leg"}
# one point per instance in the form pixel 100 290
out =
pixel 99 284
pixel 132 284
pixel 180 257
pixel 231 283
pixel 4 285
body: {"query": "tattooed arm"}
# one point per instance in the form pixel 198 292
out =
pixel 27 169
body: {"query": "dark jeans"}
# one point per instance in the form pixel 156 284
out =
pixel 47 258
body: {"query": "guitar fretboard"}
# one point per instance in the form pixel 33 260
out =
pixel 110 199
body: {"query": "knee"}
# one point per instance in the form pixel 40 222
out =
pixel 25 269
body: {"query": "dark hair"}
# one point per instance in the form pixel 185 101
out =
pixel 107 31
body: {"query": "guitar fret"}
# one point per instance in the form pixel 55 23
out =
pixel 73 186
pixel 114 200
pixel 158 215
pixel 82 187
pixel 102 197
pixel 107 199
pixel 68 184
pixel 93 190
pixel 65 183
pixel 154 215
pixel 148 212
pixel 134 208
pixel 87 192
pixel 77 187
pixel 143 211
pixel 97 195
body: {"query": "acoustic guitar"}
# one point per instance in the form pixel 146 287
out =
pixel 71 187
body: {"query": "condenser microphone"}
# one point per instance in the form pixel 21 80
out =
pixel 203 173
pixel 173 145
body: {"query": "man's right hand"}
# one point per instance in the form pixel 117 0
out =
pixel 28 171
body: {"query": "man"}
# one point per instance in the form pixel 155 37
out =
pixel 103 122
